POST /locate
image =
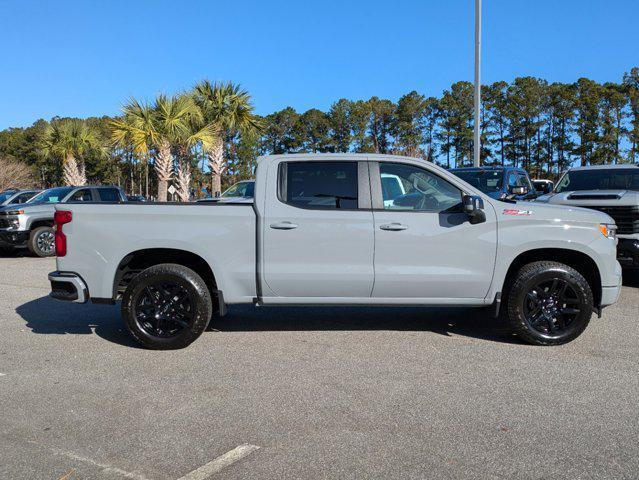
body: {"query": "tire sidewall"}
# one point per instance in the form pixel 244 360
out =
pixel 530 279
pixel 198 294
pixel 33 242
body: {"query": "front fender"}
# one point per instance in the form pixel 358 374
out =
pixel 518 236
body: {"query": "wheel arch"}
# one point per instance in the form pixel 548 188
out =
pixel 40 223
pixel 136 261
pixel 580 261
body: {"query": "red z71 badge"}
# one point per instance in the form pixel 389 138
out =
pixel 513 211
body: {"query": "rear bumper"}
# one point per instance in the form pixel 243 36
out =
pixel 628 252
pixel 68 286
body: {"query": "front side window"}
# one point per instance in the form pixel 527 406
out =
pixel 512 180
pixel 320 185
pixel 22 198
pixel 406 187
pixel 83 195
pixel 524 182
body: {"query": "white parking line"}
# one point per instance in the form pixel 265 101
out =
pixel 221 462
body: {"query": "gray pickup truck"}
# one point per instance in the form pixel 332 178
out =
pixel 339 229
pixel 612 189
pixel 30 225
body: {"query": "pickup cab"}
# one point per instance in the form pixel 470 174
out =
pixel 322 230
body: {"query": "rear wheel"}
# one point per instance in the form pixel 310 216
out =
pixel 549 303
pixel 42 242
pixel 167 306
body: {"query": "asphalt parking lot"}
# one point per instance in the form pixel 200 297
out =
pixel 324 393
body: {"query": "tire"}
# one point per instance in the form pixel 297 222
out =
pixel 42 242
pixel 166 307
pixel 549 303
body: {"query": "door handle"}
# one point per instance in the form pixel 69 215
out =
pixel 394 227
pixel 284 226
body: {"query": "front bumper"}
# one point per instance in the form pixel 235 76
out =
pixel 628 252
pixel 16 239
pixel 68 286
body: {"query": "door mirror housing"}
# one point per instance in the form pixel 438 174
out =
pixel 474 208
pixel 517 190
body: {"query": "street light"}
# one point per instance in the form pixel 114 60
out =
pixel 476 132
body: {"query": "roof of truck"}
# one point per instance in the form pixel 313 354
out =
pixel 604 167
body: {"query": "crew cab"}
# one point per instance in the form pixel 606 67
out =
pixel 322 230
pixel 30 225
pixel 612 189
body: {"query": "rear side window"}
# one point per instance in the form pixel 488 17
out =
pixel 109 195
pixel 319 185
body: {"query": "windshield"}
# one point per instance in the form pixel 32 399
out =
pixel 4 196
pixel 53 195
pixel 610 179
pixel 484 180
pixel 242 189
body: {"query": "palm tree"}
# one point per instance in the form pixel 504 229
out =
pixel 228 107
pixel 69 141
pixel 154 130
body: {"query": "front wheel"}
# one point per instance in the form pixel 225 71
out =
pixel 549 303
pixel 42 242
pixel 166 307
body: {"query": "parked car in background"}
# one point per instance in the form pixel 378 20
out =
pixel 543 186
pixel 612 189
pixel 241 192
pixel 324 231
pixel 136 198
pixel 30 225
pixel 16 196
pixel 499 182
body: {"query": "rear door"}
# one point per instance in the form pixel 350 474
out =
pixel 318 233
pixel 424 245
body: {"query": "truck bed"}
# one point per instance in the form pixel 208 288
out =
pixel 101 235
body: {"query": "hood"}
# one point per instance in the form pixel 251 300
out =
pixel 28 207
pixel 536 211
pixel 593 198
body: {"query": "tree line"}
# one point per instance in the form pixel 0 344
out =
pixel 209 137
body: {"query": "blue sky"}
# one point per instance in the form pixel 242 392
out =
pixel 84 58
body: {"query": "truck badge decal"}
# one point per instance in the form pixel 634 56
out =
pixel 513 211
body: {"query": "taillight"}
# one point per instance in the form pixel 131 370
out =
pixel 60 218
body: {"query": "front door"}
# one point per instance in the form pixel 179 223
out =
pixel 424 245
pixel 318 234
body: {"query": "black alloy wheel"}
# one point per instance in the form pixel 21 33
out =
pixel 167 306
pixel 164 309
pixel 552 306
pixel 548 303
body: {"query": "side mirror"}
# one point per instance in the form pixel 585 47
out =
pixel 517 190
pixel 474 208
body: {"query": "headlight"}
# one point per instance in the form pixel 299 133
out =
pixel 14 212
pixel 608 230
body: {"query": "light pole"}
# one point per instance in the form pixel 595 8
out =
pixel 477 129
